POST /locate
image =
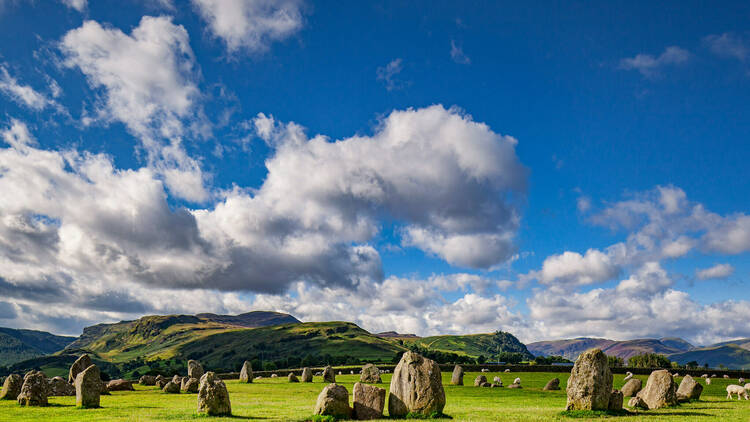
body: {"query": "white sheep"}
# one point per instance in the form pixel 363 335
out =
pixel 708 381
pixel 747 387
pixel 736 389
pixel 629 376
pixel 517 381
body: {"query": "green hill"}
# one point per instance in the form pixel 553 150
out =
pixel 18 345
pixel 491 346
pixel 730 355
pixel 571 348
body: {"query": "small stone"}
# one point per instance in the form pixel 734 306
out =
pixel 147 380
pixel 190 385
pixel 632 387
pixel 171 388
pixel 333 401
pixel 120 385
pixel 292 378
pixel 615 400
pixel 553 384
pixel 479 380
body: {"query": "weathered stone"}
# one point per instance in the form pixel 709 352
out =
pixel 370 374
pixel 307 375
pixel 660 390
pixel 632 387
pixel 590 382
pixel 147 380
pixel 637 402
pixel 171 388
pixel 88 387
pixel 34 390
pixel 514 385
pixel 195 369
pixel 103 389
pixel 689 388
pixel 615 400
pixel 369 401
pixel 83 362
pixel 292 378
pixel 177 379
pixel 11 387
pixel 120 385
pixel 246 374
pixel 189 385
pixel 328 375
pixel 479 380
pixel 553 384
pixel 161 383
pixel 416 386
pixel 213 397
pixel 457 378
pixel 333 401
pixel 57 386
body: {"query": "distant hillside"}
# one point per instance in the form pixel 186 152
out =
pixel 730 355
pixel 18 345
pixel 571 348
pixel 393 334
pixel 252 319
pixel 475 345
pixel 740 342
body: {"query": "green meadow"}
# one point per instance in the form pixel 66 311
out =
pixel 274 399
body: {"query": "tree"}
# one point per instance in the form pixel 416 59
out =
pixel 649 360
pixel 615 361
pixel 481 360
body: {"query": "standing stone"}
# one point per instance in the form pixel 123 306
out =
pixel 458 375
pixel 161 381
pixel 246 374
pixel 553 384
pixel 370 374
pixel 88 387
pixel 660 390
pixel 479 380
pixel 307 375
pixel 78 366
pixel 416 386
pixel 292 378
pixel 632 387
pixel 689 389
pixel 171 388
pixel 638 402
pixel 590 382
pixel 615 400
pixel 333 401
pixel 34 390
pixel 57 386
pixel 120 385
pixel 213 397
pixel 190 385
pixel 147 380
pixel 195 369
pixel 11 387
pixel 328 375
pixel 177 379
pixel 369 401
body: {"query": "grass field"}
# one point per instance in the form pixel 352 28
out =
pixel 276 400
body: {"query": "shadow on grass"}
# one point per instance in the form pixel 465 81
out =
pixel 624 412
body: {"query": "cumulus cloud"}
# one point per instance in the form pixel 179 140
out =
pixel 718 271
pixel 650 66
pixel 458 55
pixel 251 25
pixel 728 45
pixel 388 74
pixel 574 268
pixel 22 94
pixel 79 5
pixel 149 83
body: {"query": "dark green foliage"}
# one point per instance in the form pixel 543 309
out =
pixel 549 360
pixel 615 361
pixel 649 360
pixel 433 415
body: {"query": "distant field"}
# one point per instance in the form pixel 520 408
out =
pixel 276 400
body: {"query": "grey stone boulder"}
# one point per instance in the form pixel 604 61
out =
pixel 370 374
pixel 333 401
pixel 88 387
pixel 632 387
pixel 120 385
pixel 190 385
pixel 246 373
pixel 328 375
pixel 660 390
pixel 307 375
pixel 57 386
pixel 147 380
pixel 457 378
pixel 171 388
pixel 213 397
pixel 416 387
pixel 83 362
pixel 195 369
pixel 638 403
pixel 553 384
pixel 615 400
pixel 479 380
pixel 590 382
pixel 292 378
pixel 369 401
pixel 34 390
pixel 11 387
pixel 689 389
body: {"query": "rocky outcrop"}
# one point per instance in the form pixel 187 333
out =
pixel 416 387
pixel 213 397
pixel 590 382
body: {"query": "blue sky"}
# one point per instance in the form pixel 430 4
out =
pixel 553 170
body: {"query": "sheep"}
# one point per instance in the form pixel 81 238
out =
pixel 747 387
pixel 507 370
pixel 704 376
pixel 736 389
pixel 741 381
pixel 708 381
pixel 628 376
pixel 517 381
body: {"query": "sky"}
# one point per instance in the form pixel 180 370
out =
pixel 552 169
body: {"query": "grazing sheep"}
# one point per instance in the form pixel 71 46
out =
pixel 485 370
pixel 747 387
pixel 708 381
pixel 517 381
pixel 704 376
pixel 629 375
pixel 736 389
pixel 741 381
pixel 726 376
pixel 507 370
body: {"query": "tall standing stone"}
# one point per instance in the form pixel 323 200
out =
pixel 11 387
pixel 333 401
pixel 213 397
pixel 328 375
pixel 457 378
pixel 246 374
pixel 590 382
pixel 660 390
pixel 88 387
pixel 195 369
pixel 307 375
pixel 34 390
pixel 689 389
pixel 370 374
pixel 83 362
pixel 416 386
pixel 369 401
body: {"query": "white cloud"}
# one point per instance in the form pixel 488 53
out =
pixel 149 82
pixel 22 94
pixel 387 74
pixel 574 268
pixel 730 235
pixel 251 24
pixel 583 204
pixel 718 271
pixel 79 5
pixel 649 66
pixel 728 45
pixel 458 55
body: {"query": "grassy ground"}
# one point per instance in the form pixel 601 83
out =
pixel 276 400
